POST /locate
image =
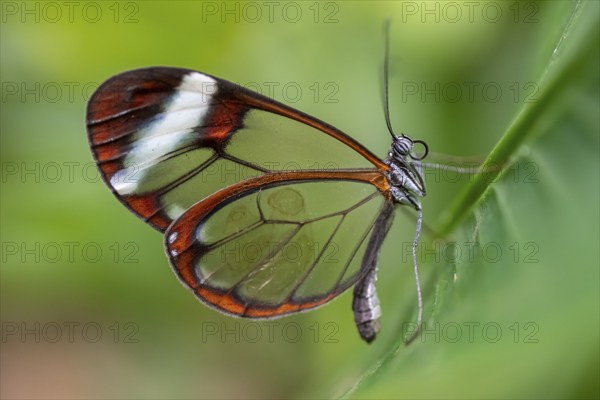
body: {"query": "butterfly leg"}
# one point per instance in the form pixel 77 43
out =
pixel 417 280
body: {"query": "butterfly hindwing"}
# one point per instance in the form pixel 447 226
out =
pixel 266 249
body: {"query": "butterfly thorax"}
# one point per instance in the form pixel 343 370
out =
pixel 405 175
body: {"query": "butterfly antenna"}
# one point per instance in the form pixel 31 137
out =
pixel 417 280
pixel 386 64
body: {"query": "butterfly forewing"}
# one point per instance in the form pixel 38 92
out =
pixel 275 248
pixel 165 138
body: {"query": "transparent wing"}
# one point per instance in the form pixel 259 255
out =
pixel 263 250
pixel 165 138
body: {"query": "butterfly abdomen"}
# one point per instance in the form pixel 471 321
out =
pixel 366 307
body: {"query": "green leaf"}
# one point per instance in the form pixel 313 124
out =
pixel 573 55
pixel 515 312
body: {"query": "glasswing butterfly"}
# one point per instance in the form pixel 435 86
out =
pixel 266 211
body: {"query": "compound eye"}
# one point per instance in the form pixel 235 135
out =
pixel 403 145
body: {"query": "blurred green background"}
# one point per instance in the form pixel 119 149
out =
pixel 91 309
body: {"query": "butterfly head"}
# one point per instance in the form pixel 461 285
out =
pixel 403 146
pixel 405 176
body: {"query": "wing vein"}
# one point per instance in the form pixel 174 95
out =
pixel 356 248
pixel 260 265
pixel 314 264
